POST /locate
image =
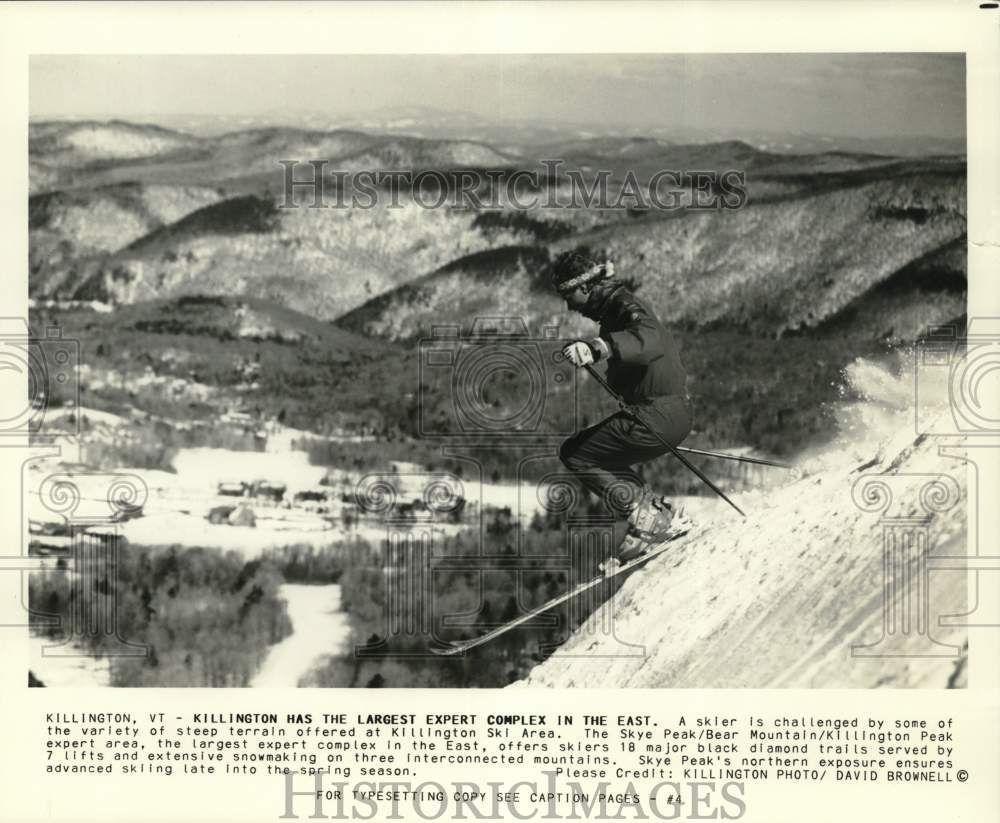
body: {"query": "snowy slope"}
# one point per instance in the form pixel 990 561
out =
pixel 780 599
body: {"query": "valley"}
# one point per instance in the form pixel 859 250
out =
pixel 231 348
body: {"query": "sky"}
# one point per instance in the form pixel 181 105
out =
pixel 859 95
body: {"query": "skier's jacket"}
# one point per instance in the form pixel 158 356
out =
pixel 645 366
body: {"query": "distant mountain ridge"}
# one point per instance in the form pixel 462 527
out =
pixel 512 133
pixel 198 215
pixel 92 154
pixel 314 314
pixel 783 265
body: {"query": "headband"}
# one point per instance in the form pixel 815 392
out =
pixel 598 272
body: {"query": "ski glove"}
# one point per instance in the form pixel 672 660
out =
pixel 581 353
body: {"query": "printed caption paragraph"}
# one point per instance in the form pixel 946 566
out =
pixel 612 746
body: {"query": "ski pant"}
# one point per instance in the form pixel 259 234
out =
pixel 602 456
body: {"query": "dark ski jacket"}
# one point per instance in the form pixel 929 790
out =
pixel 645 362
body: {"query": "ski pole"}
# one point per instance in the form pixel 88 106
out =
pixel 642 419
pixel 739 458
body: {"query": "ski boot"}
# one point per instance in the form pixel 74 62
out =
pixel 652 520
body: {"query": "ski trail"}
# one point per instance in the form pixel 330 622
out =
pixel 319 629
pixel 798 595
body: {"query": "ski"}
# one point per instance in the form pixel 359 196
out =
pixel 455 647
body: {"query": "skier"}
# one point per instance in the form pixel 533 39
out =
pixel 644 367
